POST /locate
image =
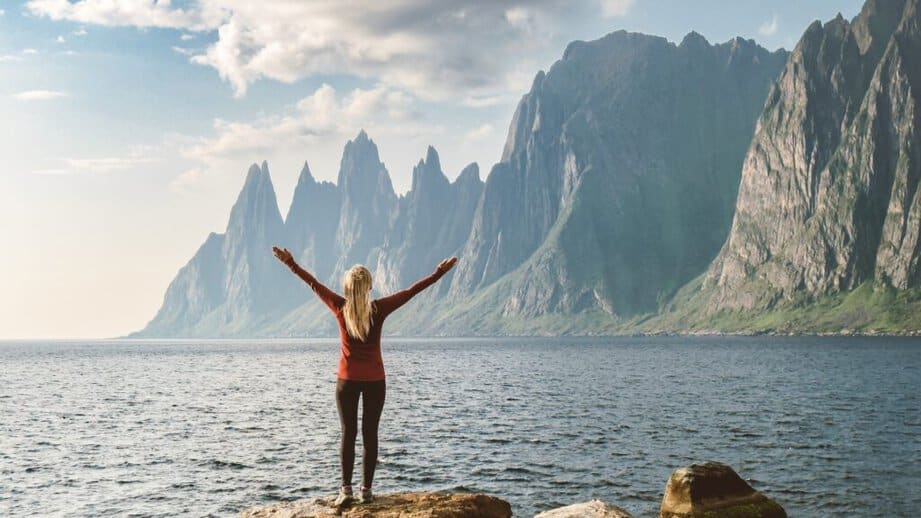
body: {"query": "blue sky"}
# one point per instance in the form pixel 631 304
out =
pixel 128 125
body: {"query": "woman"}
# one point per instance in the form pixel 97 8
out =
pixel 361 369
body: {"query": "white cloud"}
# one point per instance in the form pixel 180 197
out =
pixel 615 8
pixel 17 57
pixel 323 115
pixel 39 95
pixel 188 179
pixel 769 28
pixel 96 165
pixel 138 13
pixel 440 50
pixel 60 39
pixel 519 17
pixel 485 101
pixel 2 12
pixel 79 32
pixel 483 132
pixel 187 37
pixel 182 50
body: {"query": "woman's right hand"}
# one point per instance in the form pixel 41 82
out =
pixel 283 255
pixel 447 264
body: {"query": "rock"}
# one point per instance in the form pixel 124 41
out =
pixel 714 490
pixel 593 509
pixel 398 505
pixel 828 196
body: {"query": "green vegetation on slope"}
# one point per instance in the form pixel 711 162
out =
pixel 870 308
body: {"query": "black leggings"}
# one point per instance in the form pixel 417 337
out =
pixel 347 394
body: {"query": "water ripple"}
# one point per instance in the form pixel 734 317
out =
pixel 183 428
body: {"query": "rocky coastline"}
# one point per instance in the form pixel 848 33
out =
pixel 710 489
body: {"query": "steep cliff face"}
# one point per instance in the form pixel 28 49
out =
pixel 618 178
pixel 432 222
pixel 367 207
pixel 232 285
pixel 829 192
pixel 196 290
pixel 311 223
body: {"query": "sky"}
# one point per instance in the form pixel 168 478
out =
pixel 128 126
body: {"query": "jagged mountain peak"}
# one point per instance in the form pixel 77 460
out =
pixel 255 174
pixel 694 39
pixel 360 163
pixel 876 22
pixel 428 174
pixel 256 204
pixel 258 183
pixel 362 143
pixel 431 158
pixel 306 176
pixel 469 174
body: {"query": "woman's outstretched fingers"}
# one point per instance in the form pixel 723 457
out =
pixel 283 255
pixel 447 264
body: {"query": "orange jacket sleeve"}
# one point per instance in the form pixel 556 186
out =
pixel 391 303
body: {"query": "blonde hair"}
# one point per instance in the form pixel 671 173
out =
pixel 356 283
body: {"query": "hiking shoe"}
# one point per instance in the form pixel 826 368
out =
pixel 345 496
pixel 365 496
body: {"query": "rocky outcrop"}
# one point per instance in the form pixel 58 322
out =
pixel 593 509
pixel 829 197
pixel 714 490
pixel 709 490
pixel 399 505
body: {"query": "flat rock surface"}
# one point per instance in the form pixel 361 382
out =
pixel 398 505
pixel 593 509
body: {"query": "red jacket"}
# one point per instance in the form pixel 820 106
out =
pixel 362 360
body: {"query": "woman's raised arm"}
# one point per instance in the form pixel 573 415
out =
pixel 332 299
pixel 391 303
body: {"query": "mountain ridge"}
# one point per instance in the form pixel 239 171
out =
pixel 625 168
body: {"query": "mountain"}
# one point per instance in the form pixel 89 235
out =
pixel 827 227
pixel 368 203
pixel 432 222
pixel 231 286
pixel 616 185
pixel 311 223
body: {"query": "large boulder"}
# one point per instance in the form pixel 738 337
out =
pixel 593 509
pixel 398 505
pixel 714 490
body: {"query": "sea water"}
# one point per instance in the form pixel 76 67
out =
pixel 209 428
